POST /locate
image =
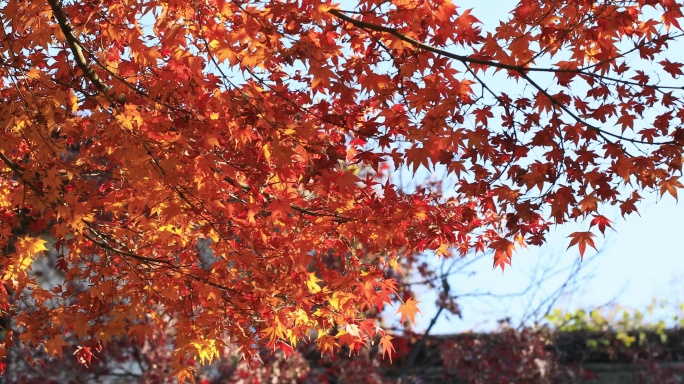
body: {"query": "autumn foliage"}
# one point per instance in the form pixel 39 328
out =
pixel 229 168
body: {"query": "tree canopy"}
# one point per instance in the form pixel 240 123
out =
pixel 231 168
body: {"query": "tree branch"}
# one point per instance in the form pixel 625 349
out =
pixel 246 188
pixel 473 60
pixel 421 343
pixel 75 47
pixel 522 70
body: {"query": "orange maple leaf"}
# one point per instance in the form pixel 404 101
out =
pixel 503 252
pixel 582 239
pixel 408 310
pixel 326 343
pixel 387 347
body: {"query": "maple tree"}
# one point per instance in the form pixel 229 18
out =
pixel 227 166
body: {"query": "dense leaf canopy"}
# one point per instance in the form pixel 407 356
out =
pixel 231 167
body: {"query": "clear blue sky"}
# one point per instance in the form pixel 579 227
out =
pixel 643 259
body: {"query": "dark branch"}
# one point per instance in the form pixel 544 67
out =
pixel 75 47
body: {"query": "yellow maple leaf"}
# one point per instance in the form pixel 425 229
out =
pixel 207 350
pixel 408 311
pixel 27 250
pixel 312 283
